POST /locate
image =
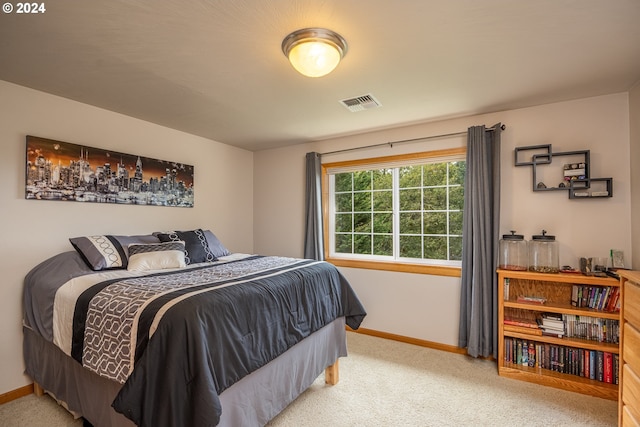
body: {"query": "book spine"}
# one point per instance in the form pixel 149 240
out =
pixel 519 353
pixel 608 367
pixel 600 369
pixel 547 356
pixel 587 353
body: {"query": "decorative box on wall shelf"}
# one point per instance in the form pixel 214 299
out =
pixel 579 358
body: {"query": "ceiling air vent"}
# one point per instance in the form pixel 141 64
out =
pixel 359 103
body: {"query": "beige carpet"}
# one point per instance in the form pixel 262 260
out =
pixel 386 383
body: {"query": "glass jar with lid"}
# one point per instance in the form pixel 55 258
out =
pixel 513 252
pixel 543 253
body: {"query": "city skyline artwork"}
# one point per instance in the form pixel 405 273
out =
pixel 57 170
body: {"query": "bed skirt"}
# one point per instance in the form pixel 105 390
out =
pixel 252 401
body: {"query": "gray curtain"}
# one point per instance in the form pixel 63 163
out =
pixel 313 237
pixel 480 234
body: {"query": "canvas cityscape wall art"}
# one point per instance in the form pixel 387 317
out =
pixel 58 170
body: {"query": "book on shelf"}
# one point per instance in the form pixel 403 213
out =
pixel 587 364
pixel 551 332
pixel 552 317
pixel 608 368
pixel 552 323
pixel 600 365
pixel 532 354
pixel 576 295
pixel 613 303
pixel 531 299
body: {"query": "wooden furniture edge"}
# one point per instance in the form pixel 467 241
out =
pixel 560 277
pixel 37 389
pixel 332 374
pixel 632 276
pixel 556 380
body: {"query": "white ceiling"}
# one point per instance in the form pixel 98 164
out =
pixel 214 68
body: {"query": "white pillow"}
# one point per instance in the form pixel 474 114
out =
pixel 156 256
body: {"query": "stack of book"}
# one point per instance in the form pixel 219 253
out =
pixel 551 324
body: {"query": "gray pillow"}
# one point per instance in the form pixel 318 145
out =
pixel 196 246
pixel 215 246
pixel 106 251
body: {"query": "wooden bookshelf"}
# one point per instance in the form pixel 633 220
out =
pixel 557 289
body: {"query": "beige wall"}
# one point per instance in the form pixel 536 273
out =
pixel 427 307
pixel 35 230
pixel 254 201
pixel 634 119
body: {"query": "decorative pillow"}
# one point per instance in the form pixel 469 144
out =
pixel 196 247
pixel 215 246
pixel 104 252
pixel 156 256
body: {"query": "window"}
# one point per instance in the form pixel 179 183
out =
pixel 400 210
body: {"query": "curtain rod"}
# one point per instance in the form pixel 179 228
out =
pixel 402 141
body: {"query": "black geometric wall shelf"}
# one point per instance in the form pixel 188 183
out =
pixel 575 177
pixel 591 188
pixel 540 154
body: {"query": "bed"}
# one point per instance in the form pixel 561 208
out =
pixel 173 329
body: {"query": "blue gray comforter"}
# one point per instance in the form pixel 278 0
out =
pixel 177 339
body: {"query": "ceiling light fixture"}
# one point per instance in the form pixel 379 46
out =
pixel 314 52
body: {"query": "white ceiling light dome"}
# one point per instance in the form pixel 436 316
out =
pixel 314 52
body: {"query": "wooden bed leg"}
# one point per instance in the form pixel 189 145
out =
pixel 332 374
pixel 37 390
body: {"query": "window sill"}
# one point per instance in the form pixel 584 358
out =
pixel 434 270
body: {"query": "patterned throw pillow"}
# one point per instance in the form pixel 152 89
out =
pixel 156 256
pixel 195 242
pixel 107 251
